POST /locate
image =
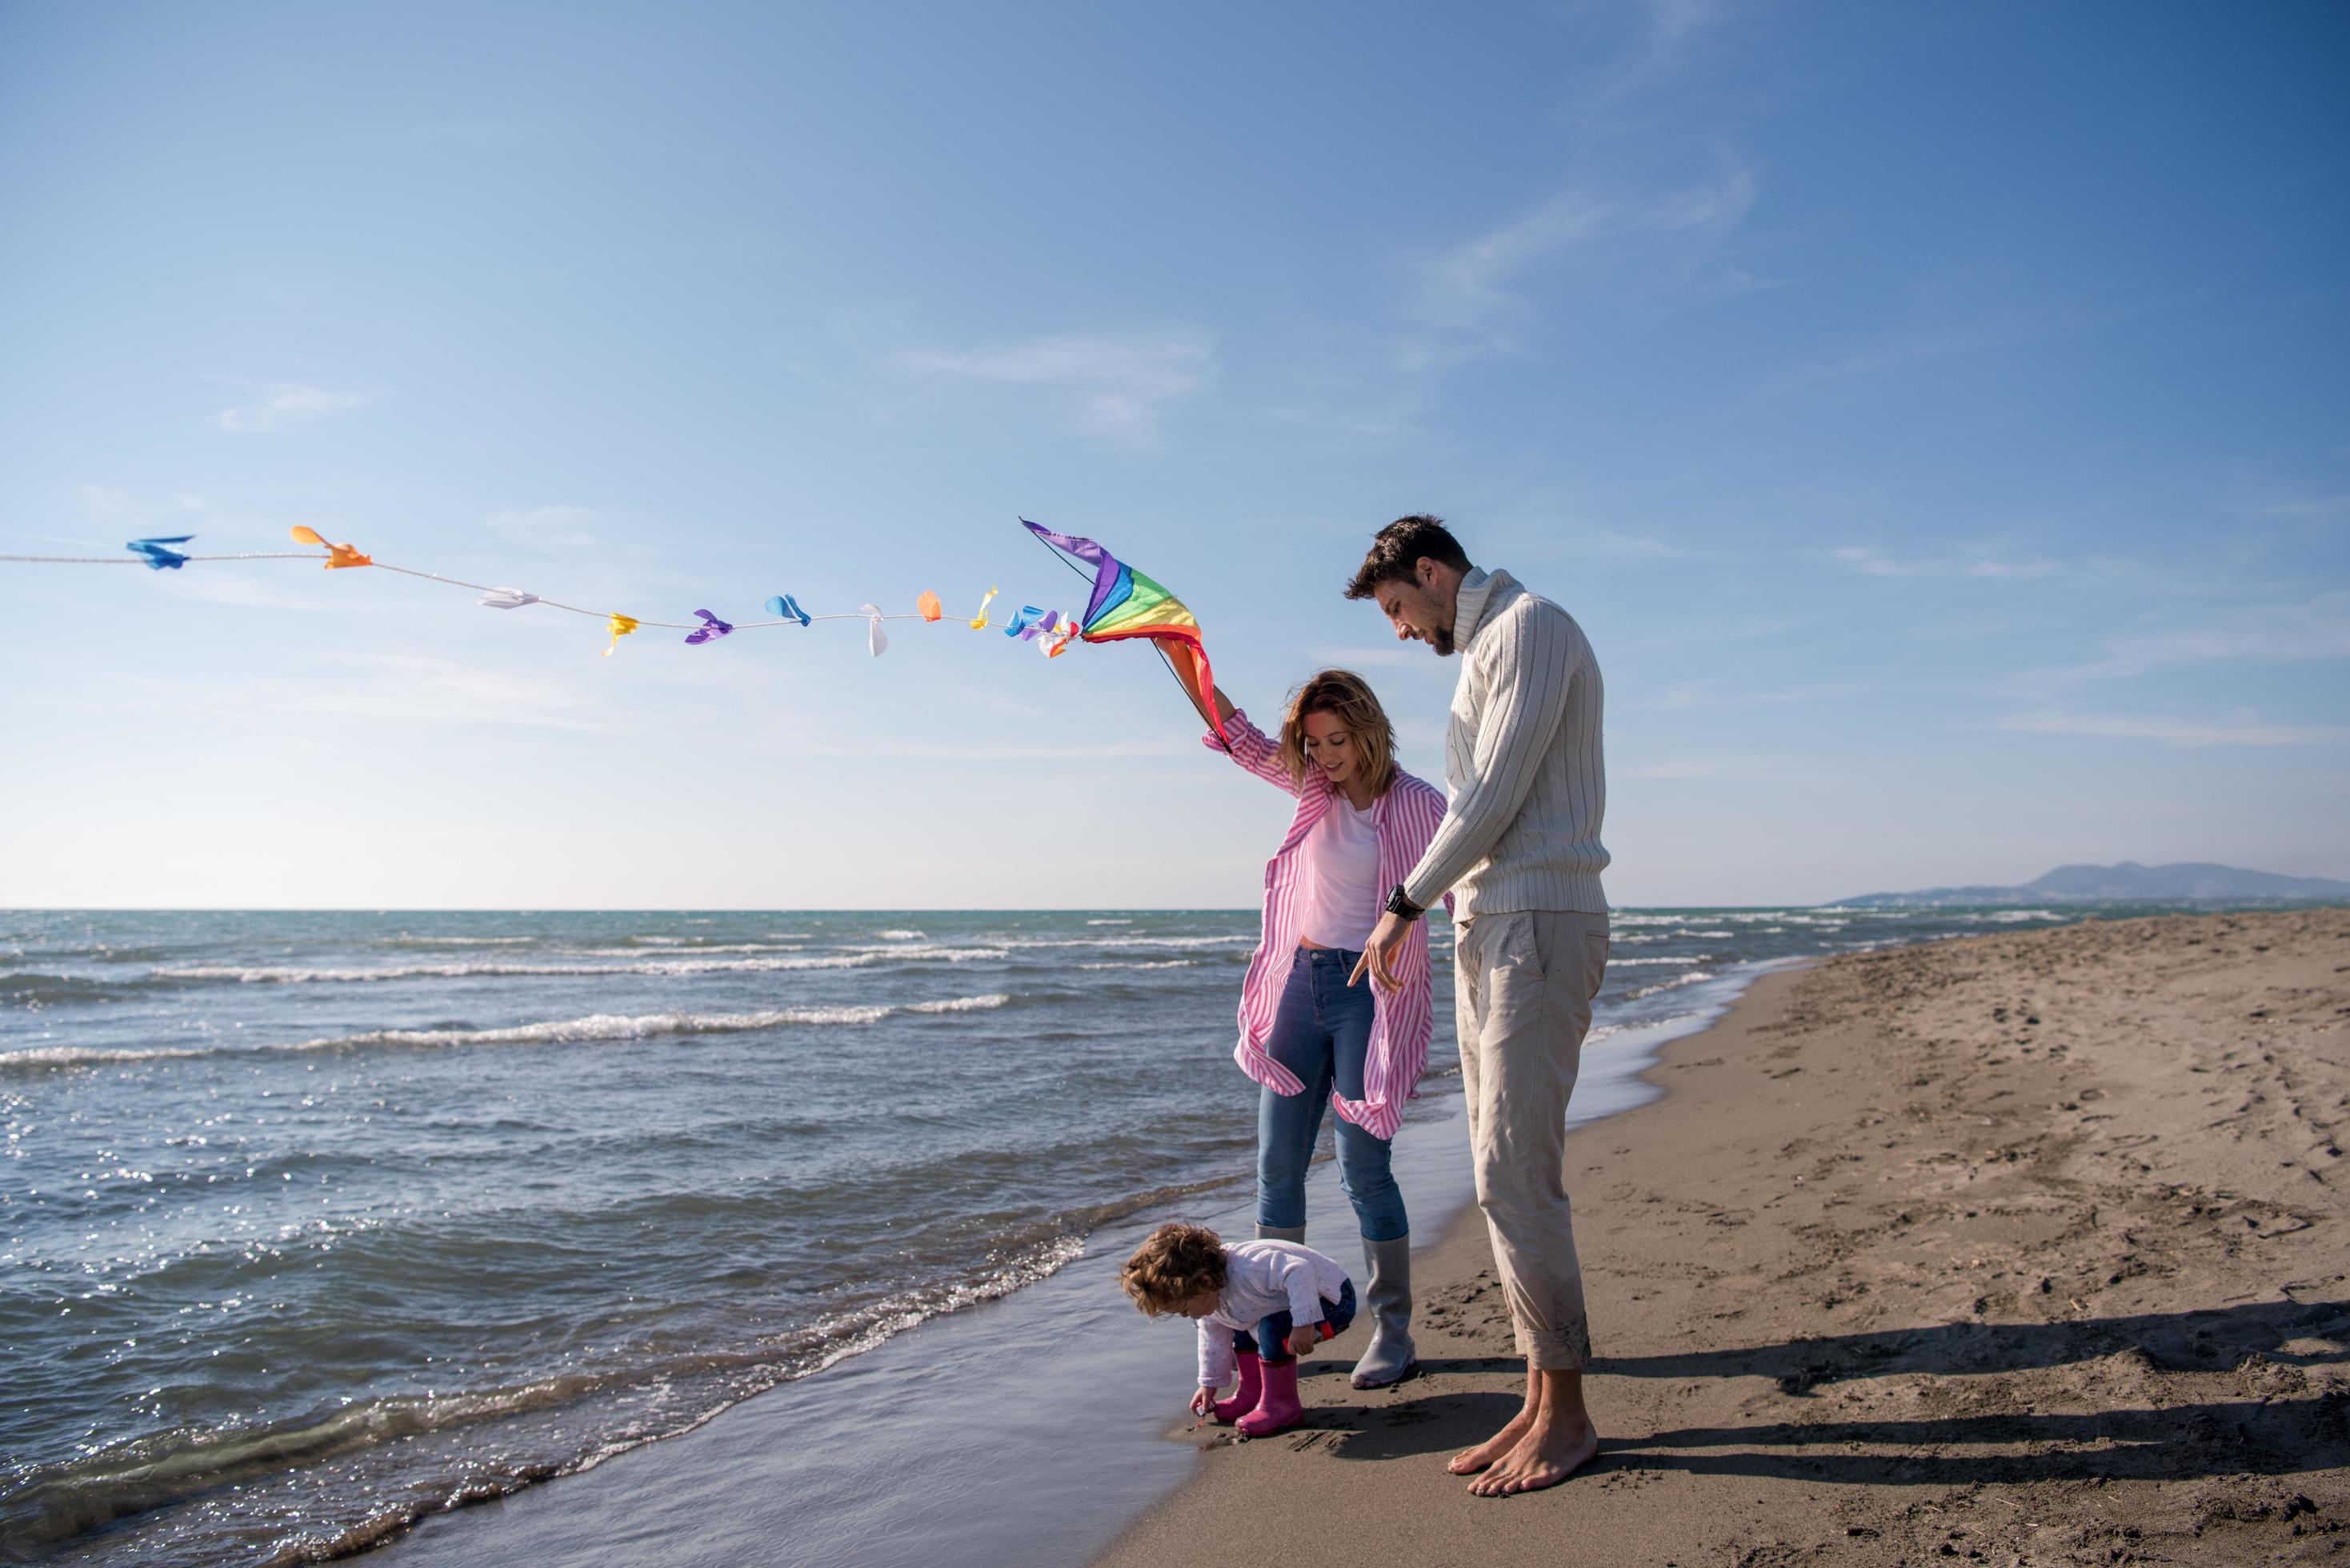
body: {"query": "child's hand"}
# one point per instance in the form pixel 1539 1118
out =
pixel 1203 1401
pixel 1304 1337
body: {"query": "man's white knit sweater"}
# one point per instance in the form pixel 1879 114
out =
pixel 1522 761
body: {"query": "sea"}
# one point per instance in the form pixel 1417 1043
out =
pixel 316 1224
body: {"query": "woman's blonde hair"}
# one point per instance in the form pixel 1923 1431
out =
pixel 1345 697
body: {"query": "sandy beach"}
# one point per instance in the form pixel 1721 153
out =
pixel 2022 1249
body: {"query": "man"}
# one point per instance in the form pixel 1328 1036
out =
pixel 1519 848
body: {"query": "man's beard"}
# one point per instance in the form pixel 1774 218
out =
pixel 1440 640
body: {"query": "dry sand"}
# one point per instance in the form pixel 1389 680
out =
pixel 2026 1249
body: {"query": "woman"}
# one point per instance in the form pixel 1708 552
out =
pixel 1306 1036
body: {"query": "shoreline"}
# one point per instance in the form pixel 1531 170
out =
pixel 1064 1468
pixel 2020 1248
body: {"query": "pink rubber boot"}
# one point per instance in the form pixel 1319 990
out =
pixel 1245 1397
pixel 1279 1409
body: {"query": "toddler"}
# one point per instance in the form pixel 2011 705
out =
pixel 1260 1305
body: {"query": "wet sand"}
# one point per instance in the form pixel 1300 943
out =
pixel 2024 1249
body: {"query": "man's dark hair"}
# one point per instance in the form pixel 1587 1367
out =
pixel 1398 548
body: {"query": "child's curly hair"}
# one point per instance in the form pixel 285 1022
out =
pixel 1178 1262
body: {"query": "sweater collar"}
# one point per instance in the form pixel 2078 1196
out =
pixel 1479 590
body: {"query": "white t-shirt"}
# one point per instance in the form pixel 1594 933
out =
pixel 1262 1278
pixel 1343 896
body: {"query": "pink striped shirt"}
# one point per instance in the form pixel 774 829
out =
pixel 1406 818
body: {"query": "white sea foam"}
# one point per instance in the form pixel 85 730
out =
pixel 901 936
pixel 599 1027
pixel 1114 941
pixel 1147 963
pixel 987 1003
pixel 1109 922
pixel 1629 963
pixel 289 975
pixel 697 951
pixel 603 1026
pixel 1677 980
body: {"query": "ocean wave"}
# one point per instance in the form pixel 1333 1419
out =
pixel 599 1027
pixel 707 948
pixel 293 975
pixel 1149 963
pixel 644 1403
pixel 36 990
pixel 902 936
pixel 1634 963
pixel 1692 978
pixel 1109 922
pixel 1114 941
pixel 411 939
pixel 987 1003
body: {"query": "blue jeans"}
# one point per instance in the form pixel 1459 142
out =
pixel 1321 1032
pixel 1275 1330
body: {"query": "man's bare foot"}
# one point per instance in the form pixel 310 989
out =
pixel 1549 1453
pixel 1469 1461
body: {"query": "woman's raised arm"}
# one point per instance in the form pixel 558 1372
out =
pixel 1251 747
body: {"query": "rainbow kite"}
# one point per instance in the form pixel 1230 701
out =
pixel 1127 603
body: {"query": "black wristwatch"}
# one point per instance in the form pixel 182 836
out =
pixel 1399 905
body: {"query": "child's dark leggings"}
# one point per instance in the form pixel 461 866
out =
pixel 1275 1330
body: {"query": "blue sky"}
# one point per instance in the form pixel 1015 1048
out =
pixel 1936 416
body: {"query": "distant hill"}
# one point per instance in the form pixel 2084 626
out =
pixel 2129 883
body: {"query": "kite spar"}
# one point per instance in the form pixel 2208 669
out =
pixel 1127 603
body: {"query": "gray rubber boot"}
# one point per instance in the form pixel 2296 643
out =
pixel 1391 1357
pixel 1281 1233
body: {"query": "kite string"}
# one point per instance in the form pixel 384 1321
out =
pixel 137 561
pixel 474 587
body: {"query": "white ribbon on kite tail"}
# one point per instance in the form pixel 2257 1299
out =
pixel 148 552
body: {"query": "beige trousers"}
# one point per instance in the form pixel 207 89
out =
pixel 1523 984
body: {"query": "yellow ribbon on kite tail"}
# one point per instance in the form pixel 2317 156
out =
pixel 622 625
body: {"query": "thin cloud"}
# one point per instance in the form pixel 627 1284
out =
pixel 1118 387
pixel 1615 542
pixel 414 693
pixel 1473 292
pixel 284 403
pixel 1871 562
pixel 1674 22
pixel 1745 769
pixel 2314 630
pixel 110 507
pixel 2245 731
pixel 548 527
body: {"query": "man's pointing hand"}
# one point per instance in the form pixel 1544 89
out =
pixel 1381 951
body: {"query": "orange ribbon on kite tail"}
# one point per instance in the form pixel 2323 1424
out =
pixel 1124 604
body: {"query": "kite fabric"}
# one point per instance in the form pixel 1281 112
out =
pixel 1127 603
